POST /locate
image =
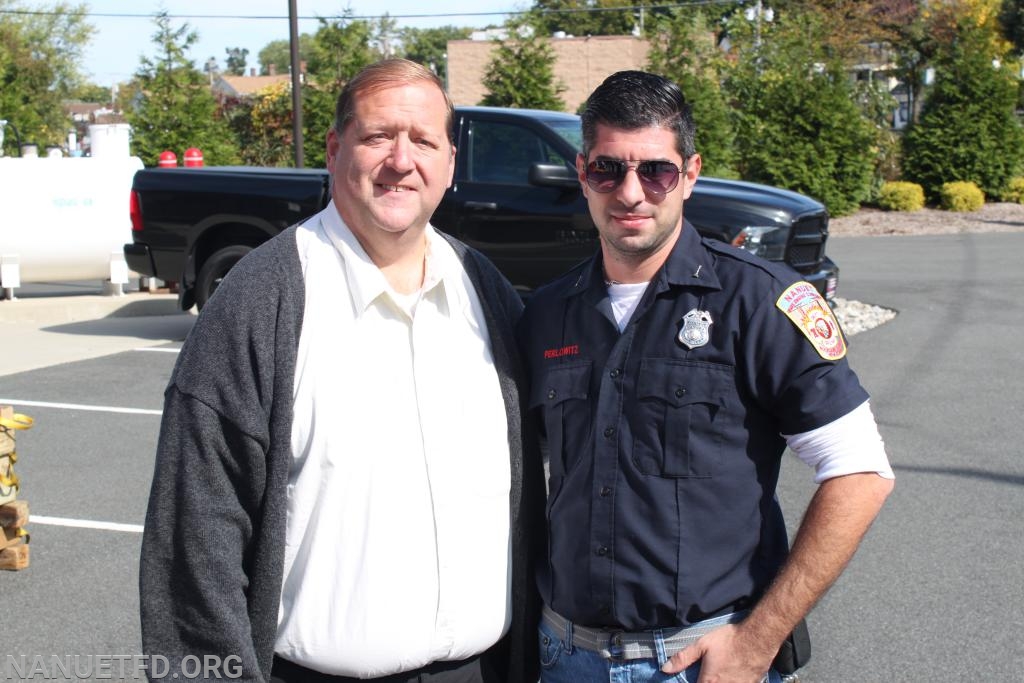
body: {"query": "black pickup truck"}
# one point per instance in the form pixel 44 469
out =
pixel 515 197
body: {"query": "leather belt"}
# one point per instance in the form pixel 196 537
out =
pixel 615 644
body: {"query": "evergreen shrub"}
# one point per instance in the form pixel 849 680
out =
pixel 968 129
pixel 901 196
pixel 1014 191
pixel 799 122
pixel 961 195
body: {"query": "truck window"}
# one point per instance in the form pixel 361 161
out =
pixel 569 130
pixel 504 152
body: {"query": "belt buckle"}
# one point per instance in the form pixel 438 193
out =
pixel 615 647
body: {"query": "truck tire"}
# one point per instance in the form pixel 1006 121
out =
pixel 215 268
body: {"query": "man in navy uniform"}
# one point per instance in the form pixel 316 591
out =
pixel 668 375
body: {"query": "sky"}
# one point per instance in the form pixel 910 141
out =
pixel 113 55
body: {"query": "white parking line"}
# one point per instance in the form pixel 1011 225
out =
pixel 84 524
pixel 77 406
pixel 156 348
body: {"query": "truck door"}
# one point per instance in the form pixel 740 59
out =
pixel 532 232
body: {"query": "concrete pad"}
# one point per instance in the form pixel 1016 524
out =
pixel 38 332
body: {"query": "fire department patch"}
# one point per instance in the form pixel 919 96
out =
pixel 804 306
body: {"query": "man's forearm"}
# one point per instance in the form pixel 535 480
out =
pixel 836 520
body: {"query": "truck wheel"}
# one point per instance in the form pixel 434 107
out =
pixel 215 268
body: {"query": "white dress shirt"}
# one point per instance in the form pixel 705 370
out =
pixel 397 550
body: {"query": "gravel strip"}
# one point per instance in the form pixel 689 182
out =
pixel 856 317
pixel 992 217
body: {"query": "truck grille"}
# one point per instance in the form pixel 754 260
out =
pixel 806 247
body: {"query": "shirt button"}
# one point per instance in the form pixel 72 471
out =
pixel 615 373
pixel 552 393
pixel 609 431
pixel 680 392
pixel 602 551
pixel 606 491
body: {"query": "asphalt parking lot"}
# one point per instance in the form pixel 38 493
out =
pixel 934 593
pixel 91 371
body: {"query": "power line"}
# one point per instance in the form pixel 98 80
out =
pixel 441 15
pixel 129 15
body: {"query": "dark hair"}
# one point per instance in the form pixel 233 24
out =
pixel 387 73
pixel 631 100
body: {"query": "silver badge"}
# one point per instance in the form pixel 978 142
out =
pixel 695 329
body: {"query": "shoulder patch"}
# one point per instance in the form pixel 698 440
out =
pixel 803 305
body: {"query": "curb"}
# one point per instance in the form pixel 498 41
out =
pixel 55 310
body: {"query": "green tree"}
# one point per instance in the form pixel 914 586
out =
pixel 263 126
pixel 521 72
pixel 856 26
pixel 40 55
pixel 930 28
pixel 585 17
pixel 128 94
pixel 799 125
pixel 278 53
pixel 384 36
pixel 335 53
pixel 90 92
pixel 1011 21
pixel 429 46
pixel 236 60
pixel 176 109
pixel 317 118
pixel 339 50
pixel 877 106
pixel 968 129
pixel 683 49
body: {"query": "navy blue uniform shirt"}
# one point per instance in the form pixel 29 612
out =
pixel 664 459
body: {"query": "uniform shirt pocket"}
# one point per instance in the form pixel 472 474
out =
pixel 680 417
pixel 561 396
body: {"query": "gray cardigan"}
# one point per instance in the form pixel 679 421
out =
pixel 213 548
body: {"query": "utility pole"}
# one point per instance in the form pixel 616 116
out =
pixel 758 11
pixel 755 14
pixel 293 40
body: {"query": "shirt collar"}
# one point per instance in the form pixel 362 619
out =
pixel 365 281
pixel 689 264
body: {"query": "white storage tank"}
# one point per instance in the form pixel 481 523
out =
pixel 64 219
pixel 108 140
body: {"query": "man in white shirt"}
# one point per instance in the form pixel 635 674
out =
pixel 341 491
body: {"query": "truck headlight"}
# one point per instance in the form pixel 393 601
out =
pixel 768 241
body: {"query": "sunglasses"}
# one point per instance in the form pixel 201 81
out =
pixel 656 177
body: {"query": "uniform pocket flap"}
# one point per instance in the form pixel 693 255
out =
pixel 680 383
pixel 561 383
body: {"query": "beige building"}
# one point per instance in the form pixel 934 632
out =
pixel 580 65
pixel 240 87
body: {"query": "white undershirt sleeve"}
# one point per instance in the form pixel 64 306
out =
pixel 848 445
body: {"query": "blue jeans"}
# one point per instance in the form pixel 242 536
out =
pixel 561 662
